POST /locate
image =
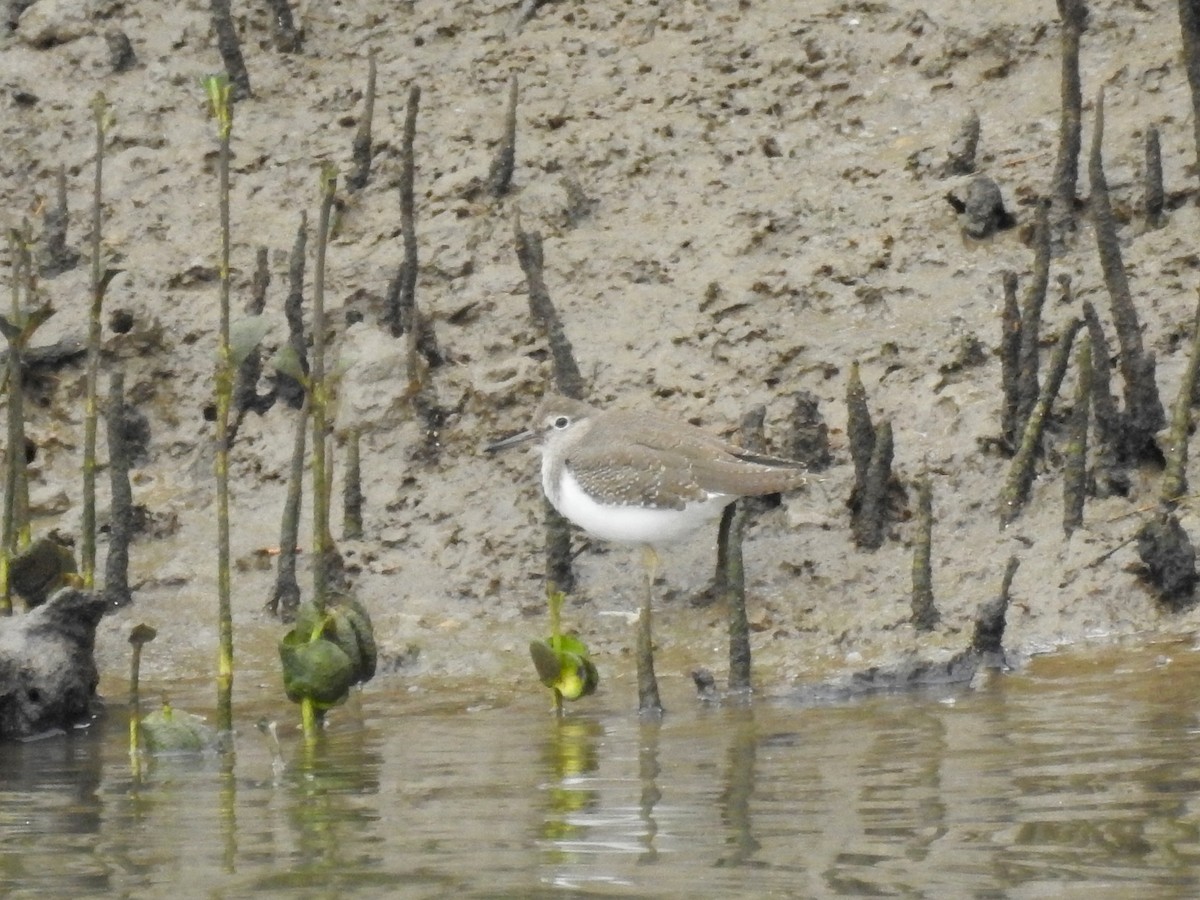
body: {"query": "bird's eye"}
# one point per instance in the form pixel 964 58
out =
pixel 562 422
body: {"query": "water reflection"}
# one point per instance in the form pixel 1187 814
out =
pixel 586 835
pixel 648 772
pixel 48 813
pixel 1076 776
pixel 739 789
pixel 569 756
pixel 332 814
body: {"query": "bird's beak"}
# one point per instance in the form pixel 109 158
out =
pixel 519 438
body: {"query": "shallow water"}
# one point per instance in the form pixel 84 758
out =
pixel 1077 776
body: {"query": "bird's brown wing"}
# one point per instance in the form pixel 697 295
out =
pixel 684 464
pixel 749 474
pixel 636 474
pixel 715 465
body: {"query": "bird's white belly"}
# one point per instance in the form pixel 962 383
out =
pixel 633 524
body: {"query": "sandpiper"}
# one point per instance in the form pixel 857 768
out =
pixel 637 478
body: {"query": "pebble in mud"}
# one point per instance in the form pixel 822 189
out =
pixel 1170 561
pixel 121 57
pixel 981 209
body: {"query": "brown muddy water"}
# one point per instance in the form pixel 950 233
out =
pixel 1077 776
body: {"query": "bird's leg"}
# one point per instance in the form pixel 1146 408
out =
pixel 648 702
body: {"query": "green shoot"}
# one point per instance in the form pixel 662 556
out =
pixel 219 96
